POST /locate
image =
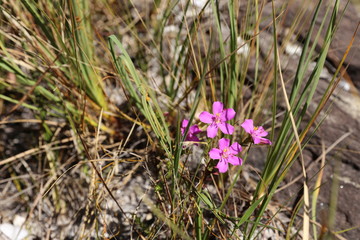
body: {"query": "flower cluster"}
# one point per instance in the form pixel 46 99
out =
pixel 226 153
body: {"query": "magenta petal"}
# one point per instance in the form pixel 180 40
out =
pixel 235 148
pixel 212 130
pixel 248 125
pixel 264 141
pixel 183 126
pixel 228 114
pixel 192 138
pixel 235 160
pixel 206 117
pixel 261 132
pixel 184 123
pixel 256 139
pixel 224 143
pixel 222 166
pixel 194 129
pixel 226 128
pixel 217 107
pixel 215 153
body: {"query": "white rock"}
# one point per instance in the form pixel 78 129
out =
pixel 199 3
pixel 171 29
pixel 293 49
pixel 19 220
pixel 344 85
pixel 13 232
pixel 244 49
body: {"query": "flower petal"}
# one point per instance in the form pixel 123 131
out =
pixel 235 160
pixel 222 166
pixel 262 141
pixel 217 107
pixel 206 117
pixel 224 143
pixel 266 141
pixel 248 125
pixel 215 153
pixel 192 138
pixel 226 128
pixel 228 114
pixel 194 129
pixel 235 148
pixel 256 139
pixel 184 123
pixel 212 130
pixel 261 132
pixel 183 126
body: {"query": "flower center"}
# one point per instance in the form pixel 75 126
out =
pixel 256 128
pixel 217 118
pixel 225 153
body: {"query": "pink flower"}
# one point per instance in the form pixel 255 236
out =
pixel 256 132
pixel 193 130
pixel 218 119
pixel 226 154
